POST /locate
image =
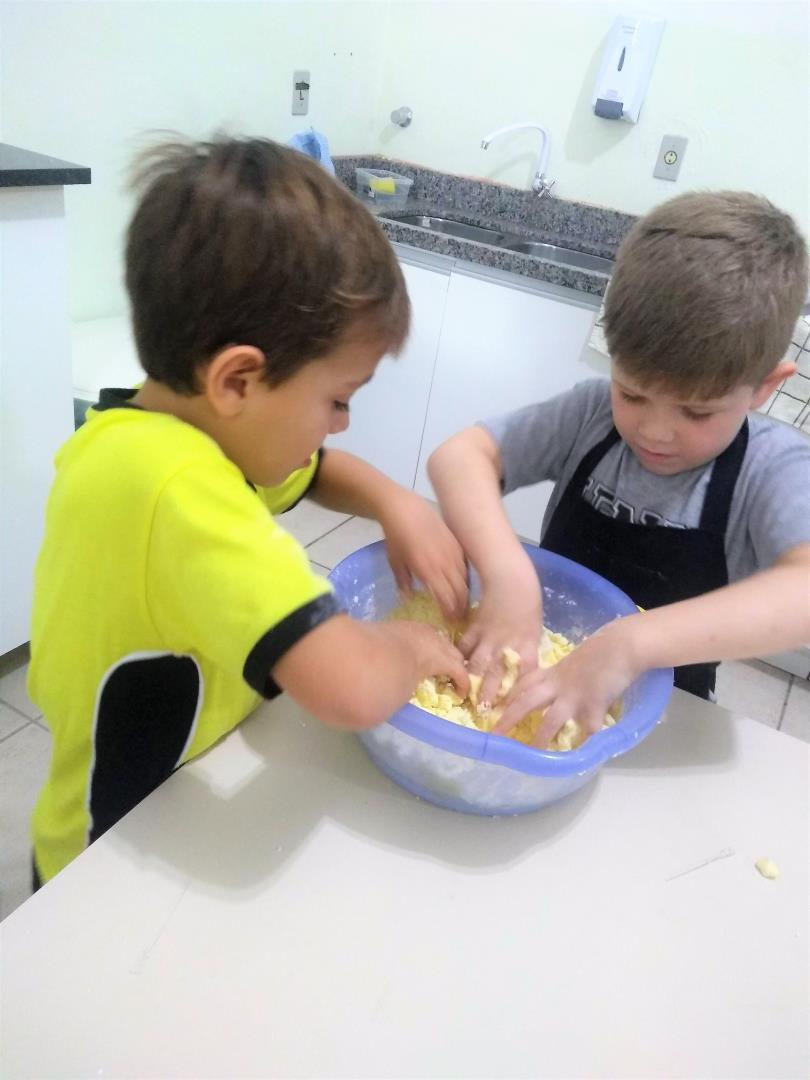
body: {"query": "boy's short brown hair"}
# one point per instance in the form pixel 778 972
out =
pixel 244 241
pixel 706 292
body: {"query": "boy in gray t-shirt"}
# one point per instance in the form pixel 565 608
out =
pixel 663 482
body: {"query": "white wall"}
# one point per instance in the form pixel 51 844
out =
pixel 731 77
pixel 84 80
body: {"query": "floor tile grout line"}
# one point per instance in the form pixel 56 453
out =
pixel 789 691
pixel 329 532
pixel 15 708
pixel 16 731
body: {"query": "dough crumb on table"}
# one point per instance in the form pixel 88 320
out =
pixel 768 868
pixel 438 695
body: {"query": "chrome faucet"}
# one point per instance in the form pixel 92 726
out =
pixel 540 184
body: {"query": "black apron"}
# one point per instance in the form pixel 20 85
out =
pixel 653 564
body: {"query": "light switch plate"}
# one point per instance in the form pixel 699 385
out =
pixel 670 157
pixel 300 93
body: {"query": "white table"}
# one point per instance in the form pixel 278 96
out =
pixel 279 908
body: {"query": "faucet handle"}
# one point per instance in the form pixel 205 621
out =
pixel 541 186
pixel 402 116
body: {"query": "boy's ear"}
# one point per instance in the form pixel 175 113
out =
pixel 770 382
pixel 231 376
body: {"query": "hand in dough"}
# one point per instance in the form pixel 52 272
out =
pixel 509 617
pixel 582 687
pixel 420 546
pixel 438 697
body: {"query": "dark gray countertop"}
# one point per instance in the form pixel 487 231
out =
pixel 24 168
pixel 592 229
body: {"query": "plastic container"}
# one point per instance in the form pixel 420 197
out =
pixel 386 190
pixel 477 773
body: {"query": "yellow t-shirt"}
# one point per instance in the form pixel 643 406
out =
pixel 165 592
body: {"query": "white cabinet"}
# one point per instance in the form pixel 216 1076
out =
pixel 36 411
pixel 480 344
pixel 503 347
pixel 388 415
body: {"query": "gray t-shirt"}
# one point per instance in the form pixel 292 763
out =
pixel 770 509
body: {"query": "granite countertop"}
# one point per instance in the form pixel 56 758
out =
pixel 24 168
pixel 592 229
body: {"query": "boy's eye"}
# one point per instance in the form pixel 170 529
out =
pixel 341 406
pixel 691 415
pixel 633 398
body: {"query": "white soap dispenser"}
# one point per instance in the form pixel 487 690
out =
pixel 626 67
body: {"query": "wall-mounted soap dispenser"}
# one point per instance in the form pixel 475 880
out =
pixel 626 67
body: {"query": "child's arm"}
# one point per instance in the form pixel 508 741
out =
pixel 465 473
pixel 354 675
pixel 419 543
pixel 765 613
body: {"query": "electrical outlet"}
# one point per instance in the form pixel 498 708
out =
pixel 300 93
pixel 670 157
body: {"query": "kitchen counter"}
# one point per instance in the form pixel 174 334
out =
pixel 592 229
pixel 24 168
pixel 487 255
pixel 279 908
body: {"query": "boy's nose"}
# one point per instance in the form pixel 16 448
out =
pixel 340 423
pixel 655 429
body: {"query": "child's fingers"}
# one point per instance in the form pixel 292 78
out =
pixel 456 669
pixel 459 586
pixel 528 657
pixel 554 718
pixel 469 643
pixel 491 685
pixel 480 658
pixel 594 721
pixel 534 691
pixel 590 717
pixel 441 594
pixel 450 600
pixel 402 576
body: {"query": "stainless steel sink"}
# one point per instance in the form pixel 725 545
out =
pixel 507 241
pixel 563 256
pixel 453 228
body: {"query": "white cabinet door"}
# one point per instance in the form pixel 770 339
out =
pixel 501 348
pixel 388 415
pixel 36 406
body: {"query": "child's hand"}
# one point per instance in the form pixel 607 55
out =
pixel 433 652
pixel 421 546
pixel 510 616
pixel 581 687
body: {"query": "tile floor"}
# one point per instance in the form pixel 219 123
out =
pixel 755 689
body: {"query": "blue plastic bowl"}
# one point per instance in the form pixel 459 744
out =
pixel 467 770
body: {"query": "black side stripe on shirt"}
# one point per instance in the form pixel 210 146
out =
pixel 270 648
pixel 146 715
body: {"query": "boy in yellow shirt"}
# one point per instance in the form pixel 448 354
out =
pixel 168 598
pixel 665 482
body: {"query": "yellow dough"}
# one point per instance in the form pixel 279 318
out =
pixel 438 695
pixel 768 868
